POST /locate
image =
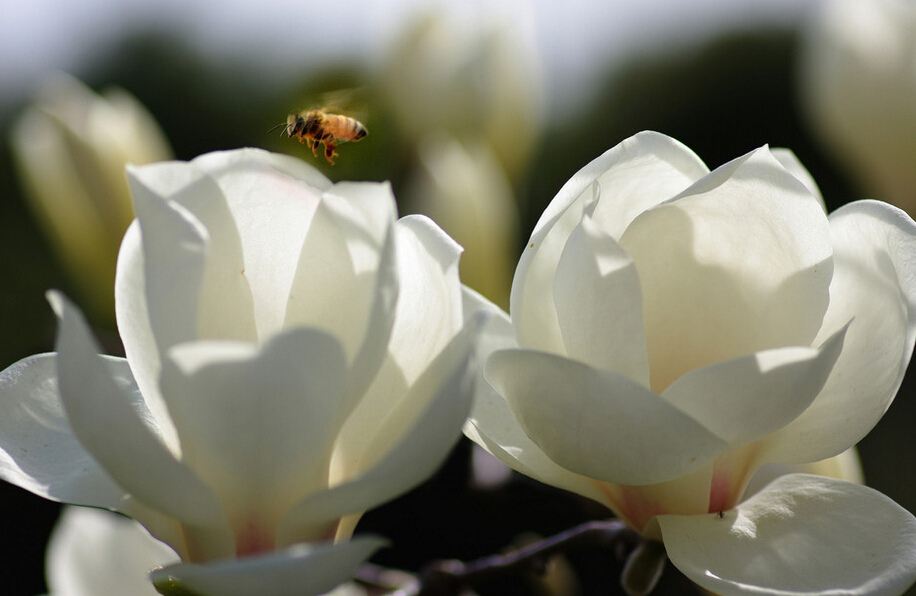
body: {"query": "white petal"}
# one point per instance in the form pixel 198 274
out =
pixel 136 333
pixel 492 425
pixel 739 262
pixel 293 167
pixel 801 535
pixel 220 283
pixel 428 315
pixel 599 423
pixel 874 286
pixel 112 423
pixel 94 552
pixel 429 310
pixel 406 447
pixel 333 288
pixel 642 171
pixel 599 304
pixel 38 450
pixel 744 399
pixel 300 570
pixel 258 425
pixel 790 162
pixel 272 212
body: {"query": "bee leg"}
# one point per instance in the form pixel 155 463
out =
pixel 329 152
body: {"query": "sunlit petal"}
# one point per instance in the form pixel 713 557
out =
pixel 802 535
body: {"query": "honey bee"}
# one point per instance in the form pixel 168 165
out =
pixel 316 126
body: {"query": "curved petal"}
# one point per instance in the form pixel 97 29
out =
pixel 640 172
pixel 136 333
pixel 739 262
pixel 801 535
pixel 492 425
pixel 874 286
pixel 223 285
pixel 428 315
pixel 174 245
pixel 586 419
pixel 599 304
pixel 216 162
pixel 429 300
pixel 400 458
pixel 790 162
pixel 258 424
pixel 272 212
pixel 38 450
pixel 93 552
pixel 300 570
pixel 336 275
pixel 744 399
pixel 114 427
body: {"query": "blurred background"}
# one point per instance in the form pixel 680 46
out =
pixel 477 113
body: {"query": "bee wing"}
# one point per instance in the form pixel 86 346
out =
pixel 350 102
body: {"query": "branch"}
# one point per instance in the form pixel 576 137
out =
pixel 450 577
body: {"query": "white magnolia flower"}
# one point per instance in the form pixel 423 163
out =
pixel 70 148
pixel 93 552
pixel 857 78
pixel 472 74
pixel 294 357
pixel 675 329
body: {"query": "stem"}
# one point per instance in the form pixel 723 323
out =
pixel 449 577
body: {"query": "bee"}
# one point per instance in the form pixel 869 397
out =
pixel 316 126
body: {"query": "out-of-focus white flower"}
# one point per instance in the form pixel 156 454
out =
pixel 675 329
pixel 470 76
pixel 70 148
pixel 294 357
pixel 857 78
pixel 464 190
pixel 94 552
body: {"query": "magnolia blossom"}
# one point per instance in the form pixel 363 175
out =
pixel 470 73
pixel 294 357
pixel 857 77
pixel 70 149
pixel 93 552
pixel 674 329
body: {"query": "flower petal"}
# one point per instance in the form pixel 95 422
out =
pixel 115 428
pixel 583 417
pixel 874 285
pixel 642 171
pixel 427 316
pixel 746 398
pixel 801 535
pixel 406 447
pixel 599 304
pixel 38 450
pixel 258 424
pixel 790 162
pixel 333 288
pixel 272 212
pixel 300 570
pixel 492 425
pixel 739 262
pixel 94 552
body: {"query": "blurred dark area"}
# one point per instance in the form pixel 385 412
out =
pixel 721 98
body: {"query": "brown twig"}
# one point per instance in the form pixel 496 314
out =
pixel 450 577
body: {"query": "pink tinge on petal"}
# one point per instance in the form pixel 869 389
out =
pixel 720 498
pixel 254 538
pixel 630 503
